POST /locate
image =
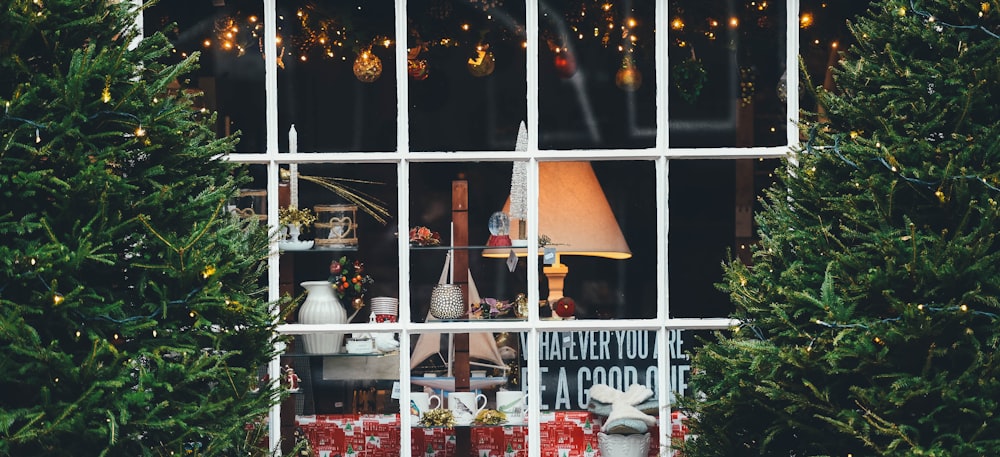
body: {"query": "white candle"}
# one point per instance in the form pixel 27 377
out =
pixel 293 169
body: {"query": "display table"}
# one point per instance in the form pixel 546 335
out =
pixel 564 434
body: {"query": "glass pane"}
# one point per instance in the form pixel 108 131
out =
pixel 231 72
pixel 346 379
pixel 727 73
pixel 457 212
pixel 467 75
pixel 336 81
pixel 712 206
pixel 584 373
pixel 598 226
pixel 482 386
pixel 596 75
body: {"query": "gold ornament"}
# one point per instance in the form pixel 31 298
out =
pixel 628 77
pixel 416 67
pixel 367 67
pixel 482 63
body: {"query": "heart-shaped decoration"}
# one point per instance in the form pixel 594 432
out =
pixel 340 227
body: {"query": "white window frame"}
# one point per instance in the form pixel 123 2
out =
pixel 661 154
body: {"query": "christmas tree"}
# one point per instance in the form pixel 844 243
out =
pixel 868 320
pixel 132 317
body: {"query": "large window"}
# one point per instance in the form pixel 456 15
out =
pixel 576 171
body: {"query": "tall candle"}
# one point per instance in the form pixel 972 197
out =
pixel 293 169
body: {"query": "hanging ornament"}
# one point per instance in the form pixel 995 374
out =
pixel 367 67
pixel 481 63
pixel 689 77
pixel 628 77
pixel 417 68
pixel 565 63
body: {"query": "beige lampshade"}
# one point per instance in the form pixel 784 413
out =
pixel 574 213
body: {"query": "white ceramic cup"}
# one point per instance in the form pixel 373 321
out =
pixel 421 402
pixel 465 406
pixel 512 404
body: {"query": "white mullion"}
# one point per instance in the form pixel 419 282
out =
pixel 405 317
pixel 663 293
pixel 792 74
pixel 402 222
pixel 534 365
pixel 271 152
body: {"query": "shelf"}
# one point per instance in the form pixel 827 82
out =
pixel 448 383
pixel 342 354
pixel 323 249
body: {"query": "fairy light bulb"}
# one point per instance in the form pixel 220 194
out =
pixel 963 307
pixel 140 132
pixel 58 298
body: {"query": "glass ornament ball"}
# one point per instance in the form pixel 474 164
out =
pixel 628 78
pixel 482 64
pixel 367 67
pixel 417 69
pixel 499 224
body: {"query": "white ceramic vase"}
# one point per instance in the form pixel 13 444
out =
pixel 294 230
pixel 321 307
pixel 614 445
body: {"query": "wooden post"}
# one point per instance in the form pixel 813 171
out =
pixel 460 259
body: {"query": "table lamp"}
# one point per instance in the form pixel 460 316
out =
pixel 575 216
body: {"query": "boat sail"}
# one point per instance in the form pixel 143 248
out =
pixel 483 350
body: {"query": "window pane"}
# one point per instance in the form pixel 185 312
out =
pixel 467 78
pixel 598 224
pixel 712 205
pixel 727 73
pixel 345 379
pixel 336 81
pixel 231 72
pixel 583 374
pixel 483 385
pixel 451 204
pixel 596 81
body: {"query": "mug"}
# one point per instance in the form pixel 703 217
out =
pixel 421 402
pixel 512 403
pixel 465 406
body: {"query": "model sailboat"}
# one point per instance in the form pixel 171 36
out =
pixel 483 351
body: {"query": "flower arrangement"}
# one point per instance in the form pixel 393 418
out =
pixel 349 280
pixel 423 236
pixel 490 308
pixel 438 418
pixel 491 417
pixel 289 215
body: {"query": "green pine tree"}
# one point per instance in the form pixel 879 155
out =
pixel 869 317
pixel 132 319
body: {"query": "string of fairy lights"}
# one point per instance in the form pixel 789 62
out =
pixel 935 186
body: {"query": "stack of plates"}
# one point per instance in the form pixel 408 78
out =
pixel 386 306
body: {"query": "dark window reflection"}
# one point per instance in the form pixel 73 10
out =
pixel 336 79
pixel 727 73
pixel 712 205
pixel 596 78
pixel 466 72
